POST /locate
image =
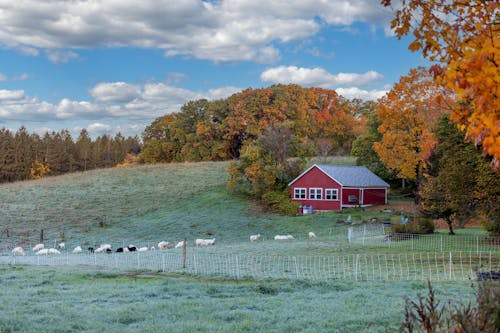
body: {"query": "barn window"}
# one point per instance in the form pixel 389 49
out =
pixel 331 194
pixel 315 193
pixel 299 193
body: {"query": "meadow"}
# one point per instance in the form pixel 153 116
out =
pixel 145 204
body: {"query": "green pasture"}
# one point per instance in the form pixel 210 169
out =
pixel 78 300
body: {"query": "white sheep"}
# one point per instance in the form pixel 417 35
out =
pixel 163 245
pixel 152 248
pixel 142 249
pixel 311 234
pixel 283 237
pixel 38 247
pixel 254 238
pixel 103 248
pixel 42 252
pixel 61 246
pixel 204 242
pixel 18 251
pixel 53 251
pixel 179 244
pixel 78 249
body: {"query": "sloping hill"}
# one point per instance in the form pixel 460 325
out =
pixel 144 203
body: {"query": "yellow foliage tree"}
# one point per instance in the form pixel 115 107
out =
pixel 464 36
pixel 38 170
pixel 407 114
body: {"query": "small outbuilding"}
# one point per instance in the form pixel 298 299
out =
pixel 333 187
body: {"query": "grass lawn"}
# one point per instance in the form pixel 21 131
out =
pixel 67 300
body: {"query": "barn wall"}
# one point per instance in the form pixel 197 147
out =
pixel 346 192
pixel 374 196
pixel 317 178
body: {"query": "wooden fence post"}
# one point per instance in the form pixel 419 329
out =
pixel 184 254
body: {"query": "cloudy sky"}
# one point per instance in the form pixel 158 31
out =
pixel 115 65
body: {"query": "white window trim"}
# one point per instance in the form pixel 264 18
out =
pixel 336 190
pixel 298 190
pixel 315 189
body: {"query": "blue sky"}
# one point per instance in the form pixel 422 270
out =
pixel 115 65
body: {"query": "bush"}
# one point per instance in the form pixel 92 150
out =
pixel 280 203
pixel 428 315
pixel 415 225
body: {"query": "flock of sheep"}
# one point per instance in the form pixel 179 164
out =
pixel 40 249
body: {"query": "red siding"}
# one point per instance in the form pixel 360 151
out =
pixel 317 178
pixel 346 192
pixel 374 196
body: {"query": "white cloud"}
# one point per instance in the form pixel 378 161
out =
pixel 3 77
pixel 61 57
pixel 10 95
pixel 367 95
pixel 112 100
pixel 226 30
pixel 98 128
pixel 317 77
pixel 115 92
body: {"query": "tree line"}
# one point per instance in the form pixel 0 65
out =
pixel 26 155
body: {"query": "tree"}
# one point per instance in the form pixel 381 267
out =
pixel 363 149
pixel 464 36
pixel 407 114
pixel 83 148
pixel 454 178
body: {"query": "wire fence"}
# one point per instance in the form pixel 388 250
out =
pixel 380 236
pixel 442 266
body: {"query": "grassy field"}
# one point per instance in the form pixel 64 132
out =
pixel 146 204
pixel 63 300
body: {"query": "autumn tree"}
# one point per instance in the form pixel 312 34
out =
pixel 464 37
pixel 363 149
pixel 407 114
pixel 268 163
pixel 454 181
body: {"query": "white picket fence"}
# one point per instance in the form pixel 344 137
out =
pixel 444 266
pixel 380 236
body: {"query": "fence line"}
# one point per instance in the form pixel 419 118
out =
pixel 379 236
pixel 442 266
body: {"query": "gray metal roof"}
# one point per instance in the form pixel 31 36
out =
pixel 356 176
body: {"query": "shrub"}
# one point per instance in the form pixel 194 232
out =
pixel 415 225
pixel 280 203
pixel 428 315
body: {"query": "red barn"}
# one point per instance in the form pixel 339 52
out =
pixel 332 187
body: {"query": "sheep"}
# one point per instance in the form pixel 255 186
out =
pixel 119 250
pixel 53 251
pixel 254 238
pixel 90 249
pixel 61 246
pixel 132 248
pixel 38 247
pixel 42 252
pixel 204 242
pixel 283 237
pixel 179 244
pixel 77 249
pixel 18 251
pixel 104 248
pixel 142 249
pixel 152 248
pixel 311 234
pixel 163 245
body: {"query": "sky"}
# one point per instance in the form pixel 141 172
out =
pixel 116 65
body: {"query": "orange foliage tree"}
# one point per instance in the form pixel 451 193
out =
pixel 464 36
pixel 407 114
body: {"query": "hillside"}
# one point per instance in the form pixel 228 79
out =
pixel 137 204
